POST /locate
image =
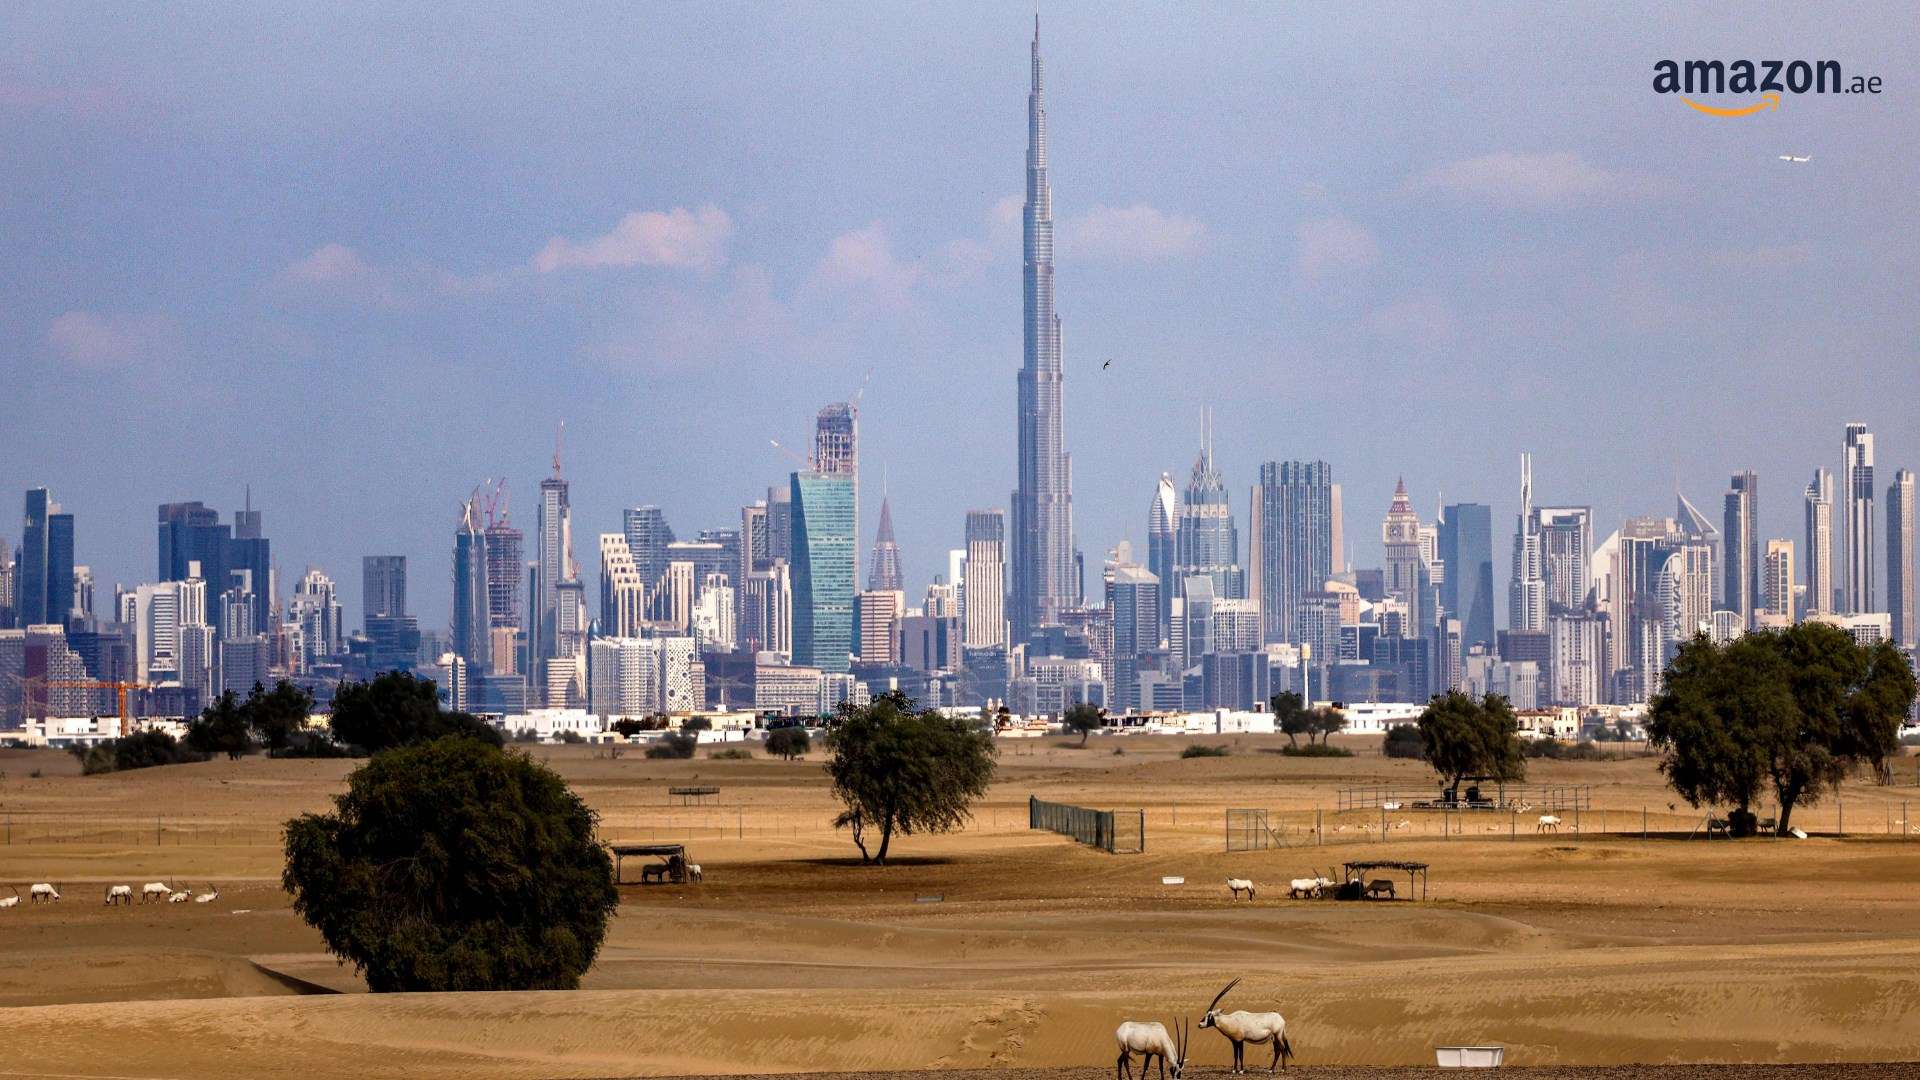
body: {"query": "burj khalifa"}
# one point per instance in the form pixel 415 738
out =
pixel 1043 560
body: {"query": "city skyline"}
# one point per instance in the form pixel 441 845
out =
pixel 119 338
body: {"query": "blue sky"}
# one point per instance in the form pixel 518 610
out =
pixel 365 260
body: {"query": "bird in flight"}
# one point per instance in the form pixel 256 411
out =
pixel 1796 160
pixel 1107 365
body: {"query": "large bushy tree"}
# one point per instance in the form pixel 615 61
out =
pixel 277 715
pixel 222 728
pixel 397 709
pixel 454 865
pixel 1793 710
pixel 1291 717
pixel 1462 736
pixel 1085 718
pixel 899 770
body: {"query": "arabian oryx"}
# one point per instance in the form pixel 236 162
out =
pixel 119 894
pixel 1548 823
pixel 1242 1028
pixel 155 892
pixel 1240 885
pixel 44 893
pixel 10 901
pixel 1149 1040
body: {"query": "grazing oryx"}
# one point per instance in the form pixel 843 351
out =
pixel 1149 1040
pixel 119 894
pixel 653 872
pixel 10 901
pixel 1548 823
pixel 1242 1028
pixel 155 892
pixel 43 893
pixel 210 896
pixel 1379 886
pixel 693 872
pixel 1238 885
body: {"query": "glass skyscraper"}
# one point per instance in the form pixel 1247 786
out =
pixel 1466 550
pixel 1294 542
pixel 823 569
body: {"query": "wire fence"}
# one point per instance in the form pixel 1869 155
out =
pixel 1112 831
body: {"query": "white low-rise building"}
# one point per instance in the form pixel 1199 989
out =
pixel 1375 717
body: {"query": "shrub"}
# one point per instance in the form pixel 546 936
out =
pixel 1556 750
pixel 314 744
pixel 1198 750
pixel 1403 741
pixel 1315 750
pixel 696 723
pixel 142 750
pixel 732 753
pixel 789 742
pixel 572 738
pixel 673 746
pixel 453 865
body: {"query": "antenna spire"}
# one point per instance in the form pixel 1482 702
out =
pixel 559 438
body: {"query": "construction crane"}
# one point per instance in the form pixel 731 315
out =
pixel 120 692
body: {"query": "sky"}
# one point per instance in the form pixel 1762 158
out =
pixel 363 260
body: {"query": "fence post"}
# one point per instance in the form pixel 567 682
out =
pixel 1842 804
pixel 1643 822
pixel 1513 823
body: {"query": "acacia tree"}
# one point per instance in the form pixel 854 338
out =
pixel 1291 717
pixel 788 742
pixel 1325 722
pixel 276 715
pixel 454 865
pixel 898 770
pixel 396 709
pixel 1463 736
pixel 1085 718
pixel 222 728
pixel 1794 710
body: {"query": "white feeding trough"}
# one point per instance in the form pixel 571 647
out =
pixel 1469 1057
pixel 1798 833
pixel 1173 881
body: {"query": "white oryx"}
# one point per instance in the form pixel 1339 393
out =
pixel 1548 823
pixel 1242 1028
pixel 43 893
pixel 180 897
pixel 1238 885
pixel 693 872
pixel 208 897
pixel 119 894
pixel 1309 888
pixel 10 901
pixel 1149 1040
pixel 155 892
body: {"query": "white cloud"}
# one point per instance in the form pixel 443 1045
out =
pixel 863 260
pixel 696 239
pixel 1536 180
pixel 1137 233
pixel 336 272
pixel 94 341
pixel 1327 246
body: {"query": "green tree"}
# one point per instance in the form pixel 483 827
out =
pixel 1794 710
pixel 901 771
pixel 141 750
pixel 673 746
pixel 788 742
pixel 1403 741
pixel 397 709
pixel 278 714
pixel 222 729
pixel 454 865
pixel 1291 717
pixel 1325 722
pixel 1084 718
pixel 696 723
pixel 1464 736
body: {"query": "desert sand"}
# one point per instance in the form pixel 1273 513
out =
pixel 1587 948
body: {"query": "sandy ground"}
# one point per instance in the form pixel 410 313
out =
pixel 1577 949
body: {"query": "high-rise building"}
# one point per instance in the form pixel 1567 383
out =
pixel 1466 592
pixel 1900 598
pixel 623 596
pixel 766 610
pixel 1856 480
pixel 1819 518
pixel 383 586
pixel 823 569
pixel 8 595
pixel 505 565
pixel 191 533
pixel 780 522
pixel 1043 562
pixel 315 608
pixel 1777 585
pixel 985 584
pixel 1527 587
pixel 648 535
pixel 880 612
pixel 1566 541
pixel 883 571
pixel 1405 571
pixel 1740 588
pixel 59 594
pixel 470 625
pixel 1163 516
pixel 1293 543
pixel 836 440
pixel 554 561
pixel 756 541
pixel 1133 595
pixel 38 588
pixel 1207 543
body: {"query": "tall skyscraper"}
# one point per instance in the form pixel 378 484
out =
pixel 1133 595
pixel 1900 599
pixel 1466 550
pixel 985 583
pixel 470 589
pixel 1819 518
pixel 1208 545
pixel 1043 562
pixel 383 586
pixel 191 532
pixel 1776 594
pixel 1293 543
pixel 1740 529
pixel 1527 587
pixel 1856 480
pixel 1163 516
pixel 554 562
pixel 32 604
pixel 505 564
pixel 823 569
pixel 1566 545
pixel 1401 563
pixel 59 593
pixel 648 535
pixel 883 571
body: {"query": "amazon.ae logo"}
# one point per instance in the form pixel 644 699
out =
pixel 1768 79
